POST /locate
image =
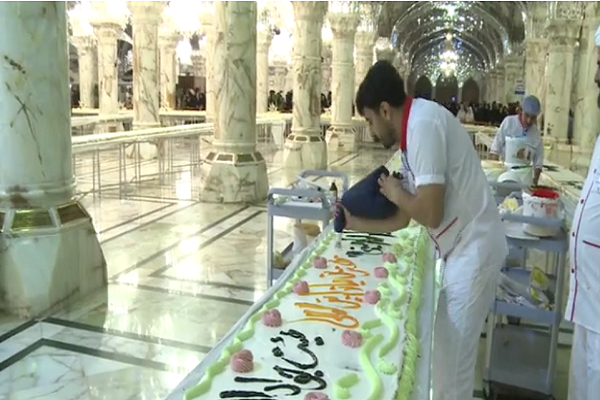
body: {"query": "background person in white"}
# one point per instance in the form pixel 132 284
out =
pixel 583 307
pixel 523 124
pixel 447 192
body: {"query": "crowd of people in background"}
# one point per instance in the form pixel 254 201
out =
pixel 467 112
pixel 483 113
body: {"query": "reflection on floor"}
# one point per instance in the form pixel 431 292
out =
pixel 181 274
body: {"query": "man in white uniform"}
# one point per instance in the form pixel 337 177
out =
pixel 445 189
pixel 523 125
pixel 583 307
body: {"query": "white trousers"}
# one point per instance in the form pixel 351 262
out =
pixel 584 378
pixel 468 291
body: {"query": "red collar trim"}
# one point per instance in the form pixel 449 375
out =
pixel 405 114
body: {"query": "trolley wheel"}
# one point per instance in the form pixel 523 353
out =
pixel 489 393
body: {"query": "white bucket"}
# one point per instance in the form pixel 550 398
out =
pixel 512 146
pixel 541 203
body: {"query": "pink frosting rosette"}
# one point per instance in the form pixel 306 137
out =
pixel 389 257
pixel 381 272
pixel 320 262
pixel 316 396
pixel 301 287
pixel 242 362
pixel 372 296
pixel 271 318
pixel 352 339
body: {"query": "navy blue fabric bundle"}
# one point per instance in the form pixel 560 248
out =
pixel 364 200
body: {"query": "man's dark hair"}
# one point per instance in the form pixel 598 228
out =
pixel 382 83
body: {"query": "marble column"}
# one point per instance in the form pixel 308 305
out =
pixel 207 22
pixel 341 135
pixel 561 35
pixel 511 69
pixel 106 33
pixel 289 78
pixel 488 87
pixel 86 59
pixel 326 67
pixel 535 68
pixel 280 67
pixel 363 43
pixel 234 171
pixel 50 250
pixel 499 92
pixel 263 43
pixel 587 112
pixel 168 40
pixel 145 16
pixel 304 147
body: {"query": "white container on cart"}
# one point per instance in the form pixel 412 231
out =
pixel 541 203
pixel 512 146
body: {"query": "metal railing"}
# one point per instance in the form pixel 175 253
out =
pixel 119 162
pixel 122 162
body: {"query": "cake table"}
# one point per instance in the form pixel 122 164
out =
pixel 273 320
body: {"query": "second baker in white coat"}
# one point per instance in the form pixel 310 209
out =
pixel 523 125
pixel 583 307
pixel 445 189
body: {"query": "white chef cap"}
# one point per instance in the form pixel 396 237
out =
pixel 597 37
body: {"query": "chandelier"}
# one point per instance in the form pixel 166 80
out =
pixel 448 58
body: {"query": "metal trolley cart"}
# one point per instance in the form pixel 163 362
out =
pixel 521 357
pixel 294 203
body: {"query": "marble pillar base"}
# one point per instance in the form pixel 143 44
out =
pixel 47 257
pixel 144 150
pixel 233 178
pixel 342 138
pixel 108 127
pixel 302 152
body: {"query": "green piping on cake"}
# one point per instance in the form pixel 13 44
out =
pixel 341 387
pixel 365 362
pixel 411 348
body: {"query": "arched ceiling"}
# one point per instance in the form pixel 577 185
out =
pixel 483 31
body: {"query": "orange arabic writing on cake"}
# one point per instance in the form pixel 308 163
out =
pixel 343 292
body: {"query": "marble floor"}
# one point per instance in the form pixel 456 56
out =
pixel 175 289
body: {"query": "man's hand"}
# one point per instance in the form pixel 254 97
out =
pixel 392 224
pixel 391 187
pixel 524 154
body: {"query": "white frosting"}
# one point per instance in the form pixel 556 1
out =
pixel 335 359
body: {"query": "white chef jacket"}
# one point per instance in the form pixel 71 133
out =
pixel 512 127
pixel 439 151
pixel 583 306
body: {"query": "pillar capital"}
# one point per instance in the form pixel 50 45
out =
pixel 536 48
pixel 343 24
pixel 513 62
pixel 309 10
pixel 106 31
pixel 149 12
pixel 562 34
pixel 168 38
pixel 572 10
pixel 365 40
pixel 83 43
pixel 263 40
pixel 499 68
